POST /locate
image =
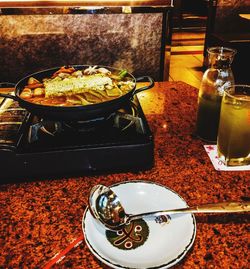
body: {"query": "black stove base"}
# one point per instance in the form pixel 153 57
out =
pixel 125 144
pixel 78 162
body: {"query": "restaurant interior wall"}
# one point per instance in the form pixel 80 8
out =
pixel 229 26
pixel 190 15
pixel 33 39
pixel 187 42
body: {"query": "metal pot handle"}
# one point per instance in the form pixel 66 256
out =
pixel 151 85
pixel 5 95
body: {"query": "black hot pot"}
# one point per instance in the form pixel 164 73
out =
pixel 75 113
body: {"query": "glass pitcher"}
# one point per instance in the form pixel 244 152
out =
pixel 216 78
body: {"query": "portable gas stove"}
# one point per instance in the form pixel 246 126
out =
pixel 33 148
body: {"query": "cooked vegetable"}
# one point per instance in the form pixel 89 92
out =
pixel 39 92
pixel 26 93
pixel 123 74
pixel 32 80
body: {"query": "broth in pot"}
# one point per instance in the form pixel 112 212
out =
pixel 72 87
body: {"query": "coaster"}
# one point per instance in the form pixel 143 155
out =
pixel 218 164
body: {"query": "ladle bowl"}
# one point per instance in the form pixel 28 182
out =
pixel 106 207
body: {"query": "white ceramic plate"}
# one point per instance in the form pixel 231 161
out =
pixel 149 243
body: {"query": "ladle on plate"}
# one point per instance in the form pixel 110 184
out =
pixel 106 207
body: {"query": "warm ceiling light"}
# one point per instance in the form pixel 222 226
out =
pixel 50 3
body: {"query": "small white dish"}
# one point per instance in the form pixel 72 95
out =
pixel 154 242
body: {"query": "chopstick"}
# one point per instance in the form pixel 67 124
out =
pixel 61 255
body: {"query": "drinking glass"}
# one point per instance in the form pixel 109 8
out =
pixel 233 140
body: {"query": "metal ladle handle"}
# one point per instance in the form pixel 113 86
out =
pixel 224 207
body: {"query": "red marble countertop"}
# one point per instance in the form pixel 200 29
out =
pixel 38 219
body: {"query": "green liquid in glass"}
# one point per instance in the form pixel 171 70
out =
pixel 234 133
pixel 208 116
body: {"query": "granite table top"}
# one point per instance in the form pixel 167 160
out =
pixel 39 219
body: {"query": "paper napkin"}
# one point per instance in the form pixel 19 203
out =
pixel 218 164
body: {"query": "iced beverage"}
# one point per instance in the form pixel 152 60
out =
pixel 234 127
pixel 208 117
